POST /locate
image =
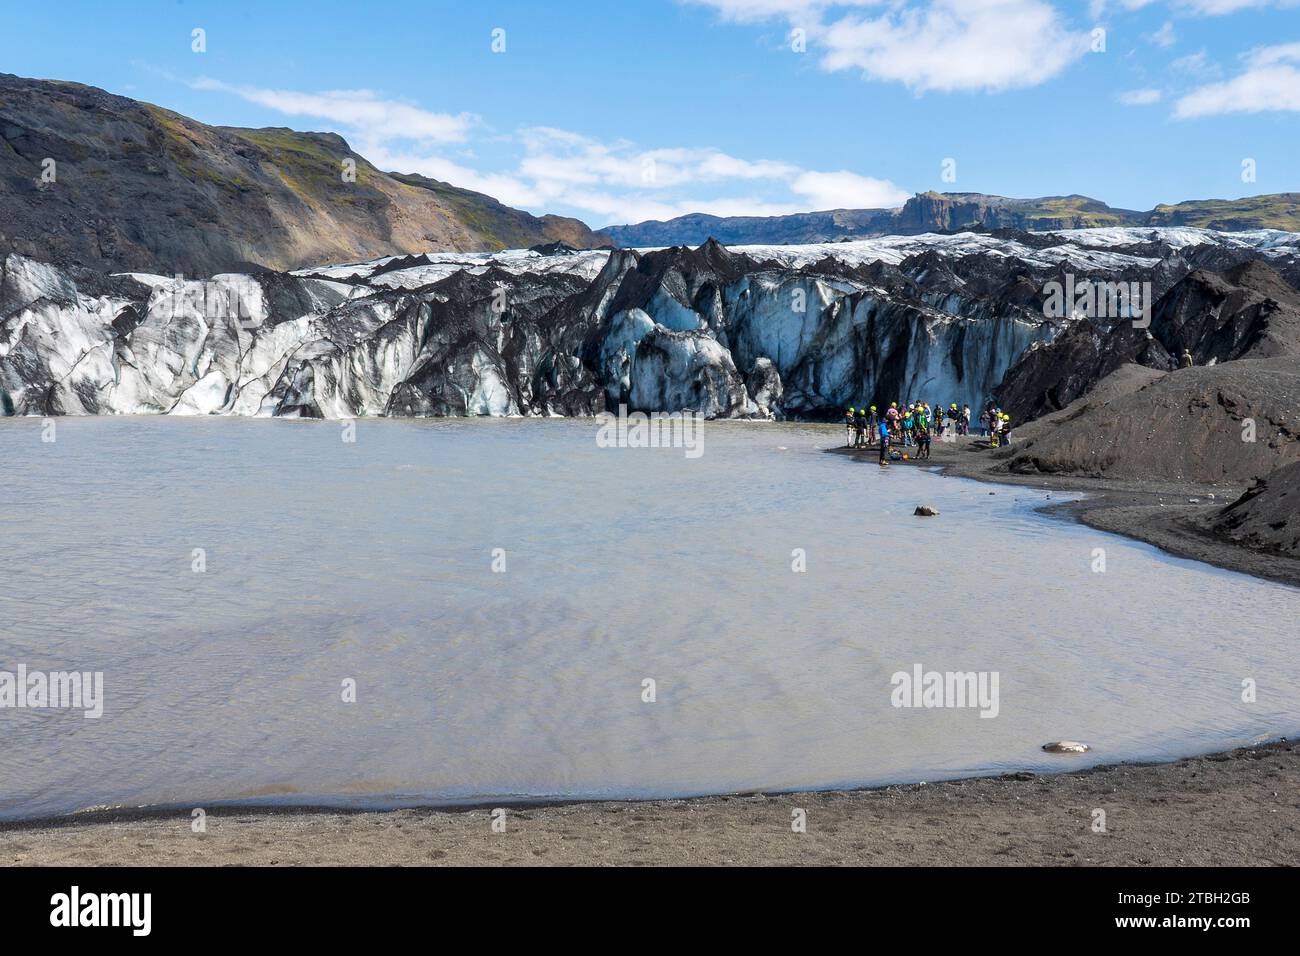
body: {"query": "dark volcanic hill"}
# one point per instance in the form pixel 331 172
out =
pixel 1248 311
pixel 1267 516
pixel 945 212
pixel 140 188
pixel 1230 423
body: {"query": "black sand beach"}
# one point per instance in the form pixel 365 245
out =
pixel 1239 808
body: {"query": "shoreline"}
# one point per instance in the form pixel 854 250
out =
pixel 1157 514
pixel 1238 807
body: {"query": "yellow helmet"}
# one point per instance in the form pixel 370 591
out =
pixel 873 408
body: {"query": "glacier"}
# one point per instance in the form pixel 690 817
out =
pixel 756 331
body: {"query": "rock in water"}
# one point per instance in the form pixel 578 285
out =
pixel 925 511
pixel 1066 747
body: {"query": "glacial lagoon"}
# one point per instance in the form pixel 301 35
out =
pixel 471 610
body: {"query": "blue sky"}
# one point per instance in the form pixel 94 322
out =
pixel 619 112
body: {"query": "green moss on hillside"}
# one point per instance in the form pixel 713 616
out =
pixel 310 167
pixel 1276 211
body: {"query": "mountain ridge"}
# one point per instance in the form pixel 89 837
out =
pixel 137 187
pixel 947 212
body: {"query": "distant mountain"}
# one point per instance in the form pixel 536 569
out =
pixel 1279 211
pixel 754 230
pixel 141 188
pixel 943 212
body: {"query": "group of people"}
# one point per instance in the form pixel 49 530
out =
pixel 995 424
pixel 914 425
pixel 911 425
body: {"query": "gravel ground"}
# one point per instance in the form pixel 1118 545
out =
pixel 1237 808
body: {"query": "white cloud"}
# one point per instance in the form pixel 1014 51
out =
pixel 360 110
pixel 1195 8
pixel 562 156
pixel 1140 97
pixel 1196 64
pixel 1206 8
pixel 1099 8
pixel 1165 36
pixel 1269 82
pixel 748 11
pixel 618 182
pixel 1215 8
pixel 945 45
pixel 1270 55
pixel 846 190
pixel 554 169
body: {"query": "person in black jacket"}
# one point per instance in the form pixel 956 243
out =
pixel 922 442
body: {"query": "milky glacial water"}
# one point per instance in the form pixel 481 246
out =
pixel 373 561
